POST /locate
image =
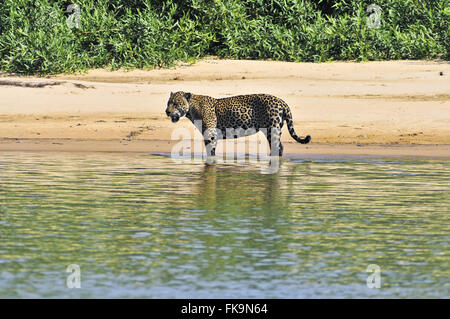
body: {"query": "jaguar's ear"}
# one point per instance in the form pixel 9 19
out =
pixel 187 96
pixel 171 94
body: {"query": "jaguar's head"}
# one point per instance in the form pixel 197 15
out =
pixel 178 105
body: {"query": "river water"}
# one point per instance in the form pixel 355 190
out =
pixel 147 226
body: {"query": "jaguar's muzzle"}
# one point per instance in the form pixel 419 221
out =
pixel 174 116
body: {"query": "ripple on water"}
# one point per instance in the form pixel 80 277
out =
pixel 146 226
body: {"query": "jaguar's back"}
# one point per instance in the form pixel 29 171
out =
pixel 248 111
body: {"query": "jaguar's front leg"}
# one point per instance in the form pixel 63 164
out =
pixel 210 138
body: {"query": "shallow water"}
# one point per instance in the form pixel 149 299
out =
pixel 141 225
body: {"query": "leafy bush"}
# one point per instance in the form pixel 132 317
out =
pixel 35 37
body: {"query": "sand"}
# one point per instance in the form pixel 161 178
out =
pixel 398 108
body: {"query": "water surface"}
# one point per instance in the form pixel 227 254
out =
pixel 145 226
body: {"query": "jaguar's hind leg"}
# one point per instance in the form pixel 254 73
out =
pixel 273 136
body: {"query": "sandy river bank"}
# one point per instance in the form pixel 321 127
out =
pixel 374 108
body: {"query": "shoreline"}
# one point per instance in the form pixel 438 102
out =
pixel 165 147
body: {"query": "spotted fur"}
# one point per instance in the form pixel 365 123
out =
pixel 246 114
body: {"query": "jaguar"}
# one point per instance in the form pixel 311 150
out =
pixel 242 115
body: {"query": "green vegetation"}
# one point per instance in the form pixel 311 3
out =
pixel 35 37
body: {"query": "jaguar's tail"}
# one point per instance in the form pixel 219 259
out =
pixel 290 126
